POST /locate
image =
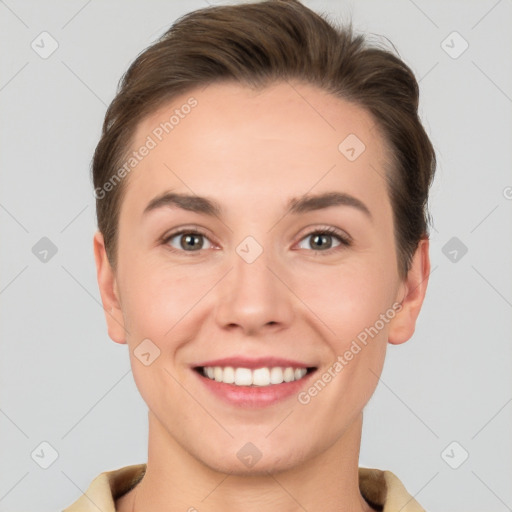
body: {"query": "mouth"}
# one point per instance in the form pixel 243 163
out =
pixel 253 383
pixel 258 377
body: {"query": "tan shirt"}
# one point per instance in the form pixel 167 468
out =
pixel 381 489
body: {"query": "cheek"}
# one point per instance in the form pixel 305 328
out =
pixel 355 305
pixel 350 297
pixel 159 300
pixel 159 295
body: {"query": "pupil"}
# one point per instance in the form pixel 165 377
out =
pixel 321 241
pixel 191 241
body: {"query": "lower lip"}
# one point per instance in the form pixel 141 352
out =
pixel 254 396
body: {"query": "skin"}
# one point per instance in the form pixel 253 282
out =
pixel 252 151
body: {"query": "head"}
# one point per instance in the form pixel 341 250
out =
pixel 306 170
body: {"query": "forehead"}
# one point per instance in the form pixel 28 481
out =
pixel 229 138
pixel 257 111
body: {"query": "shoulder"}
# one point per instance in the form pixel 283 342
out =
pixel 106 488
pixel 384 489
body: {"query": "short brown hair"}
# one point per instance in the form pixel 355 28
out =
pixel 256 44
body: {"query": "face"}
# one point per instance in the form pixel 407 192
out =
pixel 257 235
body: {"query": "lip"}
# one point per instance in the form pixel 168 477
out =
pixel 253 363
pixel 251 397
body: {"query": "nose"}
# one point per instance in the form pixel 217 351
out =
pixel 254 298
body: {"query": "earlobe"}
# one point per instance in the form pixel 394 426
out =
pixel 411 295
pixel 109 292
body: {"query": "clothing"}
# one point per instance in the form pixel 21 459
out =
pixel 381 489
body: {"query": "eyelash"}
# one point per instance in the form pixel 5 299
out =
pixel 345 240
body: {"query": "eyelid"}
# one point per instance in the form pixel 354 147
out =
pixel 343 235
pixel 191 229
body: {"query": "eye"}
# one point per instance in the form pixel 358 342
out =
pixel 321 240
pixel 188 240
pixel 325 239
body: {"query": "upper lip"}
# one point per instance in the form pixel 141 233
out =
pixel 258 362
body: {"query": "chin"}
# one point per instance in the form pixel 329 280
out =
pixel 263 467
pixel 245 459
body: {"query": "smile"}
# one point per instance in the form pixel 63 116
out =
pixel 254 382
pixel 260 377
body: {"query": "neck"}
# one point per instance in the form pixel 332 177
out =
pixel 175 481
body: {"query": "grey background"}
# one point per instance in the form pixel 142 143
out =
pixel 63 381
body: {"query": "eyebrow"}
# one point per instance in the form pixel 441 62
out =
pixel 295 205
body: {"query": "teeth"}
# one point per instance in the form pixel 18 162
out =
pixel 228 375
pixel 276 375
pixel 243 376
pixel 258 377
pixel 261 377
pixel 217 374
pixel 288 374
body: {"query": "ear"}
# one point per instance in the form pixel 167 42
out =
pixel 109 292
pixel 411 294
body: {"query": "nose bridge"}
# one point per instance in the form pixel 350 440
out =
pixel 251 267
pixel 252 295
